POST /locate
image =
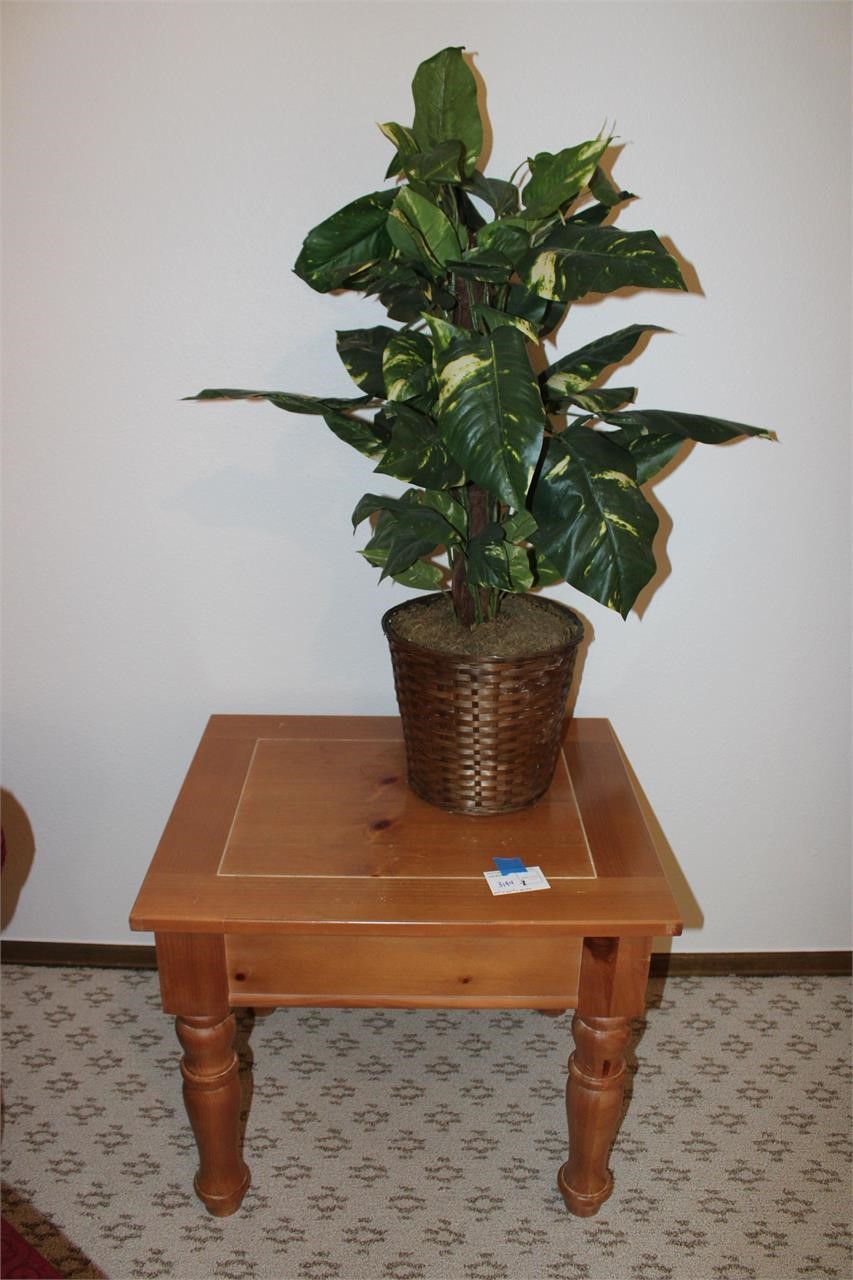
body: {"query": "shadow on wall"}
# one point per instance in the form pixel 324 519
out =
pixel 19 849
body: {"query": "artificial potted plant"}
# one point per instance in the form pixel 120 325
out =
pixel 523 473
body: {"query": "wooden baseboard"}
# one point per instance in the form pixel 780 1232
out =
pixel 98 955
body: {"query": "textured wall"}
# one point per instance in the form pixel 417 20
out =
pixel 165 560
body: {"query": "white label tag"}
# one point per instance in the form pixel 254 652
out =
pixel 517 881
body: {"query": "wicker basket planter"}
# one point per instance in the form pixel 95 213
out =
pixel 482 734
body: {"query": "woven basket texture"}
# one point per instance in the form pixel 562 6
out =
pixel 482 734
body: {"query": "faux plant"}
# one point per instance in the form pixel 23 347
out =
pixel 525 473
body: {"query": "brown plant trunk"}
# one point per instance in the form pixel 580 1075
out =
pixel 464 605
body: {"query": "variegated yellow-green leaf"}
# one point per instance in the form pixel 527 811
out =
pixel 501 196
pixel 493 319
pixel 407 366
pixel 416 452
pixel 651 452
pixel 337 246
pixel 519 526
pixel 444 333
pixel 691 426
pixel 405 142
pixel 416 529
pixel 601 401
pixel 445 94
pixel 443 163
pixel 368 438
pixel 556 179
pixel 419 229
pixel 389 545
pixel 595 526
pixel 575 260
pixel 486 559
pixel 490 412
pixel 361 352
pixel 578 370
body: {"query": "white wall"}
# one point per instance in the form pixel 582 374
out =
pixel 165 560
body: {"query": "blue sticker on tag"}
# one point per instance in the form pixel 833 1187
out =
pixel 509 866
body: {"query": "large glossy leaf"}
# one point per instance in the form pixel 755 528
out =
pixel 575 260
pixel 605 190
pixel 361 352
pixel 492 319
pixel 501 196
pixel 507 238
pixel 354 235
pixel 405 142
pixel 557 179
pixel 293 403
pixel 604 400
pixel 416 452
pixel 651 452
pixel 368 438
pixel 690 426
pixel 543 313
pixel 578 370
pixel 418 529
pixel 490 412
pixel 595 526
pixel 487 265
pixel 407 366
pixel 443 163
pixel 445 94
pixel 421 230
pixel 389 544
pixel 486 560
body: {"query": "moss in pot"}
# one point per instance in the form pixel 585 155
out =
pixel 521 473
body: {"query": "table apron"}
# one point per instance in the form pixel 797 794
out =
pixel 393 971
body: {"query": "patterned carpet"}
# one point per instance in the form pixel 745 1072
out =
pixel 423 1145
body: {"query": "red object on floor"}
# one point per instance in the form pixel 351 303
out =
pixel 20 1261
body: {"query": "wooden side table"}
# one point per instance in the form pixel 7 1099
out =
pixel 298 869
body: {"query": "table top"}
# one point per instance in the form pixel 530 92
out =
pixel 305 824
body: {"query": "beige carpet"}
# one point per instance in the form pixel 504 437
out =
pixel 419 1145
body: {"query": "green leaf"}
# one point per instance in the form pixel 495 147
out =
pixel 416 452
pixel 501 196
pixel 361 352
pixel 601 401
pixel 486 563
pixel 418 228
pixel 482 264
pixel 415 529
pixel 354 235
pixel 595 526
pixel 368 438
pixel 444 333
pixel 690 426
pixel 441 164
pixel 576 260
pixel 556 179
pixel 519 526
pixel 452 511
pixel 492 319
pixel 605 190
pixel 405 142
pixel 445 94
pixel 420 574
pixel 293 403
pixel 543 313
pixel 650 452
pixel 490 413
pixel 507 238
pixel 407 366
pixel 578 370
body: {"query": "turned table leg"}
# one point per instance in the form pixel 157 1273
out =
pixel 613 977
pixel 593 1105
pixel 194 986
pixel 212 1097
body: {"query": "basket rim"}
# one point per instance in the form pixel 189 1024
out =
pixel 456 659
